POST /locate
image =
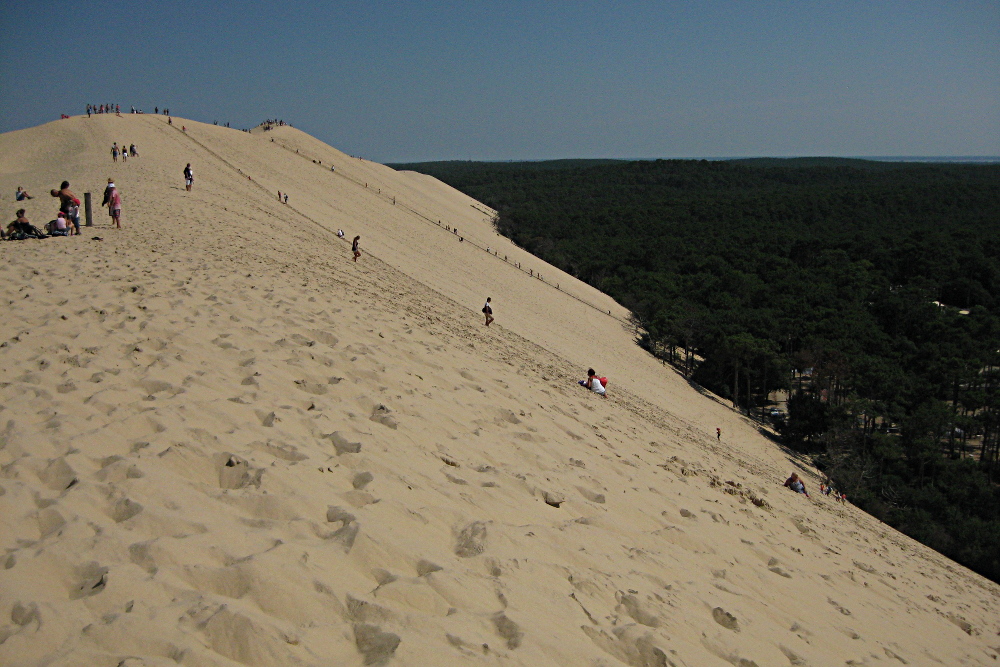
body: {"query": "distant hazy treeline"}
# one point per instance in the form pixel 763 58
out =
pixel 882 278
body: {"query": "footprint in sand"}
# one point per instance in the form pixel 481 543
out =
pixel 471 540
pixel 58 475
pixel 425 567
pixel 342 444
pixel 236 473
pixel 124 509
pixel 22 615
pixel 92 580
pixel 374 644
pixel 725 619
pixel 836 605
pixel 348 530
pixel 382 415
pixel 508 630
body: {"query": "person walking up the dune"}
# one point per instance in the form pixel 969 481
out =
pixel 114 152
pixel 795 484
pixel 356 247
pixel 718 434
pixel 188 177
pixel 488 311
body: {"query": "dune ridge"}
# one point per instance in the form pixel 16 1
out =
pixel 224 443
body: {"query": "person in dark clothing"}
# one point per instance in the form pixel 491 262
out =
pixel 22 229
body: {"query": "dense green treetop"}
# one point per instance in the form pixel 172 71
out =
pixel 882 279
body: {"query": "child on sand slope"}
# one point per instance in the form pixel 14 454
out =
pixel 795 484
pixel 595 384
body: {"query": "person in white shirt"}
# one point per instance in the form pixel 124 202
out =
pixel 488 311
pixel 593 383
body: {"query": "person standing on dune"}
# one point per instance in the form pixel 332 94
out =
pixel 356 247
pixel 107 191
pixel 115 205
pixel 188 177
pixel 66 197
pixel 488 311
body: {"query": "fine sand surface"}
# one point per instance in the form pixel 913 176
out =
pixel 222 442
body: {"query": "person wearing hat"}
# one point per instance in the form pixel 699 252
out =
pixel 107 191
pixel 114 203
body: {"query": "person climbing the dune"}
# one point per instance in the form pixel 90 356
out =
pixel 795 484
pixel 595 384
pixel 356 247
pixel 488 311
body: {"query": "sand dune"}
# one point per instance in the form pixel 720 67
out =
pixel 224 443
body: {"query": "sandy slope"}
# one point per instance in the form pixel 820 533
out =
pixel 222 442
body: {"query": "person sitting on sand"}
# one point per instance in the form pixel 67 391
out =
pixel 594 383
pixel 340 233
pixel 59 226
pixel 21 194
pixel 22 229
pixel 795 484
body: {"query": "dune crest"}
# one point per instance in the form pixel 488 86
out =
pixel 222 442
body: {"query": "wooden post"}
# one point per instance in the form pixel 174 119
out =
pixel 87 210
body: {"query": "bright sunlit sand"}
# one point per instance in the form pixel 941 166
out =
pixel 223 442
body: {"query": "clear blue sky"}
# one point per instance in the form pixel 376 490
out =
pixel 410 80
